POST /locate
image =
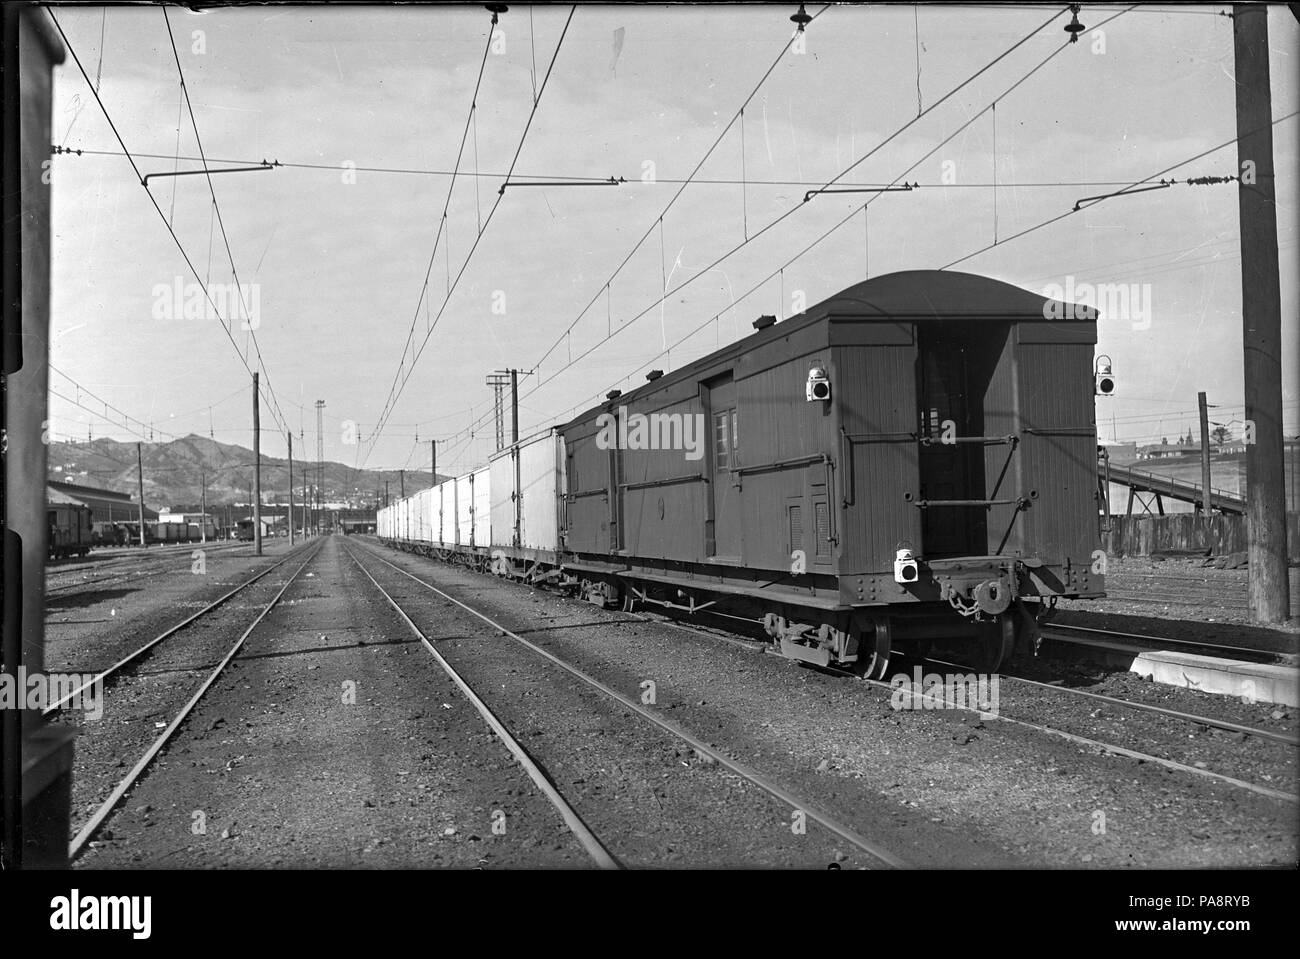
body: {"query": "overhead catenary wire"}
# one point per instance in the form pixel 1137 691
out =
pixel 224 324
pixel 597 180
pixel 1132 187
pixel 474 246
pixel 443 226
pixel 658 221
pixel 265 379
pixel 542 381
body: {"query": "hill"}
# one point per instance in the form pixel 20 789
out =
pixel 175 473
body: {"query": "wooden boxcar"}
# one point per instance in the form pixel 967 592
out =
pixel 911 459
pixel 70 529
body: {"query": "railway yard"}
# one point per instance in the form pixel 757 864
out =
pixel 341 703
pixel 737 447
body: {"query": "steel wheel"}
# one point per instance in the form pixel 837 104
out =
pixel 874 646
pixel 997 643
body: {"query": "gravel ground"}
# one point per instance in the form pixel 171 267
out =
pixel 651 798
pixel 90 629
pixel 282 770
pixel 1180 598
pixel 936 787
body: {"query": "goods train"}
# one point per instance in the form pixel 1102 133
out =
pixel 911 460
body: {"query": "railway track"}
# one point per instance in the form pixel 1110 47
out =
pixel 99 558
pixel 105 808
pixel 1284 739
pixel 1061 632
pixel 878 856
pixel 1271 736
pixel 135 573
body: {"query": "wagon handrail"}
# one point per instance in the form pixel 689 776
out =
pixel 807 460
pixel 1010 439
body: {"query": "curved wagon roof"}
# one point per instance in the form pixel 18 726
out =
pixel 909 296
pixel 945 294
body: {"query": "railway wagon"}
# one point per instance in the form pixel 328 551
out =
pixel 911 459
pixel 527 482
pixel 111 534
pixel 70 529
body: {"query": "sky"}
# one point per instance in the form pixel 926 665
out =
pixel 333 257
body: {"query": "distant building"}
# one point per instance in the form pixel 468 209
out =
pixel 1159 451
pixel 106 506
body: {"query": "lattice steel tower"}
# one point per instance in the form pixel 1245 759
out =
pixel 499 380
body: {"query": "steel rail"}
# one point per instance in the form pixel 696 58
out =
pixel 130 657
pixel 1156 640
pixel 740 769
pixel 106 808
pixel 143 573
pixel 581 831
pixel 1225 724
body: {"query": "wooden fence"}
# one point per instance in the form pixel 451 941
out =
pixel 1144 535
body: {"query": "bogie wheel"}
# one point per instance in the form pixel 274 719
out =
pixel 997 642
pixel 874 647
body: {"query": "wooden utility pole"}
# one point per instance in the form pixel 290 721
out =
pixel 139 476
pixel 514 454
pixel 1206 496
pixel 203 517
pixel 1261 318
pixel 433 463
pixel 401 479
pixel 257 470
pixel 290 489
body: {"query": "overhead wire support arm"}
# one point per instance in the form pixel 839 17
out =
pixel 1078 204
pixel 609 181
pixel 903 188
pixel 264 165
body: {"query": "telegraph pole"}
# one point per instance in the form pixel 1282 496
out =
pixel 257 471
pixel 514 454
pixel 1261 318
pixel 291 489
pixel 433 463
pixel 320 460
pixel 401 478
pixel 385 493
pixel 139 475
pixel 203 517
pixel 1205 457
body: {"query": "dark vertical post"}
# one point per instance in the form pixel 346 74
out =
pixel 514 454
pixel 1206 499
pixel 257 470
pixel 433 463
pixel 203 517
pixel 290 489
pixel 1261 317
pixel 401 479
pixel 35 755
pixel 139 478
